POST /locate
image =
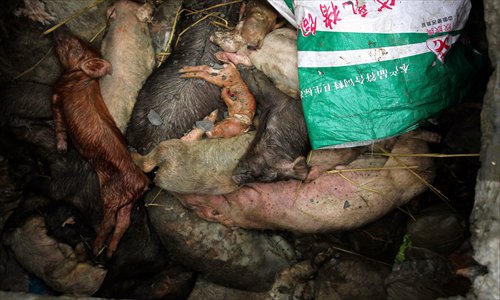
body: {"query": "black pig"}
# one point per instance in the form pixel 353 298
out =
pixel 279 148
pixel 167 105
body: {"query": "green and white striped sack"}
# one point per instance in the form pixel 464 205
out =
pixel 373 69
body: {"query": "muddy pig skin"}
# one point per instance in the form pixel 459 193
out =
pixel 242 259
pixel 277 58
pixel 167 105
pixel 330 202
pixel 67 177
pixel 25 100
pixel 80 113
pixel 140 267
pixel 62 267
pixel 257 19
pixel 200 167
pixel 128 47
pixel 281 141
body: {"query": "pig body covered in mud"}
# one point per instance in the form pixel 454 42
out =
pixel 329 201
pixel 167 105
pixel 257 19
pixel 128 47
pixel 80 113
pixel 63 265
pixel 277 58
pixel 201 167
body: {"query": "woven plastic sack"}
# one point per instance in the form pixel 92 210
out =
pixel 374 69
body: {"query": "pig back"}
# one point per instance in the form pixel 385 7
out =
pixel 167 106
pixel 128 47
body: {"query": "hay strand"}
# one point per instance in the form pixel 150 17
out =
pixel 438 155
pixel 97 34
pixel 425 182
pixel 359 185
pixel 212 7
pixel 162 55
pixel 35 65
pixel 73 16
pixel 360 255
pixel 370 169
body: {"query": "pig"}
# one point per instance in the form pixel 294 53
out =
pixel 351 277
pixel 331 202
pixel 79 111
pixel 167 105
pixel 162 28
pixel 66 177
pixel 25 52
pixel 64 268
pixel 281 143
pixel 235 93
pixel 201 167
pixel 128 47
pixel 140 268
pixel 277 58
pixel 242 259
pixel 24 100
pixel 257 19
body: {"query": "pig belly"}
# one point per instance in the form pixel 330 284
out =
pixel 330 202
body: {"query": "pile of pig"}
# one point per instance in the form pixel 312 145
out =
pixel 114 163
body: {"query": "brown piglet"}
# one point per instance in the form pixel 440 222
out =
pixel 80 113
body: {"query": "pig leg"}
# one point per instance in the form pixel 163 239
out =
pixel 224 77
pixel 197 133
pixel 146 162
pixel 60 129
pixel 236 95
pixel 122 223
pixel 109 192
pixel 234 58
pixel 240 117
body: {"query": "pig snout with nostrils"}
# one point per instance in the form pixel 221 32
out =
pixel 128 47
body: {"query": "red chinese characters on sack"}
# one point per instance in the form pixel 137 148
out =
pixel 386 4
pixel 356 9
pixel 308 25
pixel 440 46
pixel 330 14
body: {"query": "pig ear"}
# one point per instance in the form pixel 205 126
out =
pixel 111 12
pixel 144 13
pixel 299 167
pixel 96 67
pixel 243 178
pixel 279 24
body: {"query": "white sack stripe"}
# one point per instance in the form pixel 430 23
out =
pixel 325 59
